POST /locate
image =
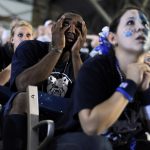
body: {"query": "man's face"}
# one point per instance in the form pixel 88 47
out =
pixel 74 23
pixel 132 32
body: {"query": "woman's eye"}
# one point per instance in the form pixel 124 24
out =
pixel 20 35
pixel 28 35
pixel 130 22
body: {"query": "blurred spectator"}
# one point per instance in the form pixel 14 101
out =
pixel 4 35
pixel 48 25
pixel 41 34
pixel 19 32
pixel 44 31
pixel 92 41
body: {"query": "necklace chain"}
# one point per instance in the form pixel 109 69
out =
pixel 121 74
pixel 65 67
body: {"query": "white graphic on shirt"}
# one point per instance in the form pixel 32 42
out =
pixel 58 84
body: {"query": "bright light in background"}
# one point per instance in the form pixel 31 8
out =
pixel 15 8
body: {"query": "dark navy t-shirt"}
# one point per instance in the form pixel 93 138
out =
pixel 28 53
pixel 6 53
pixel 96 82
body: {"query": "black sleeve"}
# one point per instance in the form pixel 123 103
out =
pixel 145 97
pixel 1 59
pixel 90 88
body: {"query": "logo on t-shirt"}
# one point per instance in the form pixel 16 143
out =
pixel 58 84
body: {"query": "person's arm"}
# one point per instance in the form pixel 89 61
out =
pixel 145 99
pixel 75 51
pixel 40 71
pixel 102 116
pixel 5 75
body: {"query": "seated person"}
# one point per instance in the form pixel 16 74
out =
pixel 53 67
pixel 21 31
pixel 112 88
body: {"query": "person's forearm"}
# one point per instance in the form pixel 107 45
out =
pixel 77 62
pixel 39 72
pixel 104 115
pixel 5 75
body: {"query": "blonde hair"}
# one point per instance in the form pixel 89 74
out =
pixel 21 23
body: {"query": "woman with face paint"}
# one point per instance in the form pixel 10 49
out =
pixel 111 89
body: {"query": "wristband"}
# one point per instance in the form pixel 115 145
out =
pixel 51 48
pixel 128 89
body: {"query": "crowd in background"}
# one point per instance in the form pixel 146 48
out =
pixel 43 33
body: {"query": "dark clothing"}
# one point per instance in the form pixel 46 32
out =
pixel 60 82
pixel 79 141
pixel 5 94
pixel 14 132
pixel 28 53
pixel 53 100
pixel 96 82
pixel 6 54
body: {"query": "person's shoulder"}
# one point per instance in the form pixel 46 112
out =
pixel 33 43
pixel 99 63
pixel 32 46
pixel 98 59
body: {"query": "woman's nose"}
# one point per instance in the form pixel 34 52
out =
pixel 140 26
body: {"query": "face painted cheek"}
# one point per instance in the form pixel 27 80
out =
pixel 128 32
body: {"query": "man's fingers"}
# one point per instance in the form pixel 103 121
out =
pixel 78 32
pixel 84 29
pixel 59 23
pixel 64 29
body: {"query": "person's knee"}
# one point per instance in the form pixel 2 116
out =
pixel 19 105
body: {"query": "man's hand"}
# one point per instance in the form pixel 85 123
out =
pixel 58 34
pixel 80 40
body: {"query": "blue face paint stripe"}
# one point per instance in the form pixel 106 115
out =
pixel 128 34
